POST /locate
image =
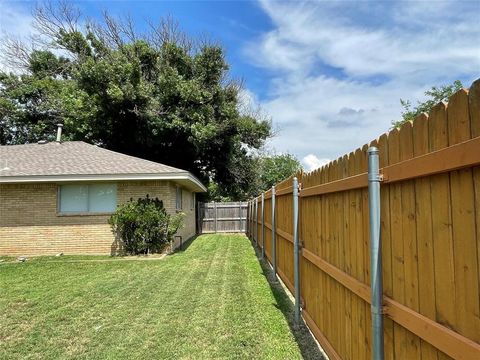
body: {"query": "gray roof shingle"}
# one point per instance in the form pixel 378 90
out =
pixel 74 158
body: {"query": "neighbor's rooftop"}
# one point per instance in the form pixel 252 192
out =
pixel 79 161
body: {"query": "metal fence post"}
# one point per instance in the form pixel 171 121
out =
pixel 263 225
pixel 375 253
pixel 251 219
pixel 256 221
pixel 296 255
pixel 246 219
pixel 274 235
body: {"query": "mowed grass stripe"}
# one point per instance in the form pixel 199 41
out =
pixel 210 301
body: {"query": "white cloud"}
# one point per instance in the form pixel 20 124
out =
pixel 15 21
pixel 312 162
pixel 340 68
pixel 247 100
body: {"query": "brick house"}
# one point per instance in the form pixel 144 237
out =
pixel 57 197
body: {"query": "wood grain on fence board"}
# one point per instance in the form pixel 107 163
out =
pixel 424 233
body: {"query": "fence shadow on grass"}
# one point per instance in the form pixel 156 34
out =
pixel 304 338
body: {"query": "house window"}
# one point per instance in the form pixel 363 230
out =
pixel 91 198
pixel 178 203
pixel 192 201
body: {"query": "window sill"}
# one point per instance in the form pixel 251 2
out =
pixel 84 214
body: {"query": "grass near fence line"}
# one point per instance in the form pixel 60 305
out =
pixel 209 301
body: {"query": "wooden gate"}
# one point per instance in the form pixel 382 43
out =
pixel 222 217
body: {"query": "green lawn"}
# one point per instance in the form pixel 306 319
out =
pixel 210 301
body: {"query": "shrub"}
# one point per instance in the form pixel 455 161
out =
pixel 144 225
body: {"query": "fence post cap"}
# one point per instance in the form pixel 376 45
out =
pixel 372 150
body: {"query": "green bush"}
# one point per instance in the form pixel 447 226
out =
pixel 144 226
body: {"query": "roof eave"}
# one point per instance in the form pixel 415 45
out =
pixel 197 186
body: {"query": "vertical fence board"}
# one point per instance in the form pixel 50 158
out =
pixel 409 240
pixel 352 245
pixel 424 231
pixel 360 271
pixel 334 298
pixel 367 336
pixel 386 243
pixel 327 255
pixel 342 314
pixel 397 244
pixel 441 225
pixel 329 282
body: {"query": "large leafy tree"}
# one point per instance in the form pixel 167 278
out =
pixel 157 95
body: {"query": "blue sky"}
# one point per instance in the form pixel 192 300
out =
pixel 329 73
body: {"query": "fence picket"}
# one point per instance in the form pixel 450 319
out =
pixel 424 232
pixel 409 241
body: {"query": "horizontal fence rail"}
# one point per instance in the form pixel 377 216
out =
pixel 429 243
pixel 218 217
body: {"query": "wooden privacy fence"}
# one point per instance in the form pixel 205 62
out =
pixel 216 217
pixel 429 231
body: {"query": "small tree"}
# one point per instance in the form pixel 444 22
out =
pixel 276 168
pixel 144 225
pixel 257 174
pixel 435 95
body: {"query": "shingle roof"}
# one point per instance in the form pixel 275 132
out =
pixel 75 158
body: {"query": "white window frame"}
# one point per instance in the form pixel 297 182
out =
pixel 83 213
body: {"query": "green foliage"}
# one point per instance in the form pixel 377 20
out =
pixel 45 63
pixel 156 96
pixel 435 95
pixel 274 169
pixel 254 175
pixel 216 193
pixel 32 105
pixel 144 226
